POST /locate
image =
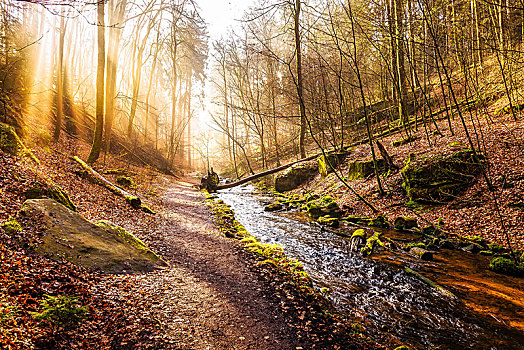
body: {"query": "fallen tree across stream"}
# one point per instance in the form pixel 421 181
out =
pixel 264 173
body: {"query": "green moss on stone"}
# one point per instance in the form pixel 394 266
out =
pixel 328 221
pixel 11 226
pixel 361 169
pixel 52 191
pixel 440 178
pixel 125 181
pixel 404 223
pixel 506 267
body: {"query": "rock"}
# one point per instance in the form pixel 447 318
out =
pixel 328 221
pixel 473 248
pixel 361 169
pixel 405 223
pixel 9 140
pixel 47 189
pixel 322 207
pixel 380 221
pixel 11 226
pixel 371 244
pixel 422 253
pixel 357 240
pixel 335 158
pixel 107 247
pixel 273 206
pixel 430 230
pixel 125 181
pixel 447 244
pixel 440 178
pixel 295 176
pixel 506 267
pixel 11 143
pixel 404 141
pixel 495 247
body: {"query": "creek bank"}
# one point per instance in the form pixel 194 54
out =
pixel 318 312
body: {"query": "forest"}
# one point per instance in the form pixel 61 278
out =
pixel 263 174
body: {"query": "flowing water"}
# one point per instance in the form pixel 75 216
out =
pixel 487 313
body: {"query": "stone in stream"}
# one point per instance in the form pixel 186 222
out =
pixel 422 253
pixel 68 235
pixel 357 240
pixel 405 223
pixel 273 206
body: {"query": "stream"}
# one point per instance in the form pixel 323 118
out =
pixel 487 313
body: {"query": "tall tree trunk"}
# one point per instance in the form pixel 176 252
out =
pixel 116 18
pixel 301 140
pixel 100 72
pixel 60 79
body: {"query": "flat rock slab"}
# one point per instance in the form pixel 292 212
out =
pixel 70 236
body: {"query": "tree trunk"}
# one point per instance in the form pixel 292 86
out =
pixel 99 124
pixel 301 140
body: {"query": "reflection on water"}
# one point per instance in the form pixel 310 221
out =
pixel 376 290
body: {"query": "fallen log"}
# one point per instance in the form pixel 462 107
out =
pixel 98 179
pixel 265 173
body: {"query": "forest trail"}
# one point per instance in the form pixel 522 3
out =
pixel 208 298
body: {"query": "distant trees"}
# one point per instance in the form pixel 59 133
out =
pixel 392 64
pixel 92 58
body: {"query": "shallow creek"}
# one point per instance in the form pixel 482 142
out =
pixel 487 313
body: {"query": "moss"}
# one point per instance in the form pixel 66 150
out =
pixel 486 252
pixel 146 209
pixel 475 239
pixel 440 178
pixel 273 206
pixel 359 233
pixel 134 201
pixel 11 143
pixel 402 347
pixel 404 223
pixel 11 226
pixel 295 176
pixel 9 140
pixel 51 191
pixel 506 267
pixel 328 221
pixel 125 181
pixel 413 245
pixel 323 206
pixel 361 169
pixel 380 221
pixel 430 230
pixel 330 161
pixel 371 243
pixel 404 141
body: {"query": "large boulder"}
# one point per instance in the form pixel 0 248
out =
pixel 333 158
pixel 295 176
pixel 68 235
pixel 360 169
pixel 441 178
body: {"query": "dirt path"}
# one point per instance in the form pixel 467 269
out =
pixel 209 298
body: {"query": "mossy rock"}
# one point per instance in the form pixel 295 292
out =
pixel 361 169
pixel 430 230
pixel 323 206
pixel 486 252
pixel 68 235
pixel 295 176
pixel 441 178
pixel 372 243
pixel 405 223
pixel 404 141
pixel 473 248
pixel 506 267
pixel 52 191
pixel 11 226
pixel 273 206
pixel 475 239
pixel 380 221
pixel 125 181
pixel 328 221
pixel 9 140
pixel 408 246
pixel 11 143
pixel 333 158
